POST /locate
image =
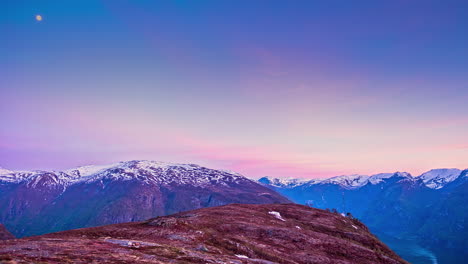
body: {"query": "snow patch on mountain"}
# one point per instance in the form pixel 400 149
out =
pixel 4 171
pixel 277 215
pixel 285 182
pixel 378 178
pixel 352 181
pixel 6 175
pixel 381 177
pixel 86 171
pixel 348 181
pixel 142 170
pixel 435 179
pixel 17 176
pixel 438 178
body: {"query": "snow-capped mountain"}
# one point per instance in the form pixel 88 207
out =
pixel 37 202
pixel 438 178
pixel 348 181
pixel 142 170
pixel 427 208
pixel 286 182
pixel 352 181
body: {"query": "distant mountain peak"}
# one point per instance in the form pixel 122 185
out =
pixel 402 174
pixel 348 181
pixel 438 178
pixel 434 179
pixel 464 173
pixel 352 181
pixel 132 164
pixel 378 178
pixel 286 182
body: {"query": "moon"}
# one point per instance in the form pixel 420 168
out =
pixel 38 17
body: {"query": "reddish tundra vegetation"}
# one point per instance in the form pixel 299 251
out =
pixel 236 233
pixel 5 234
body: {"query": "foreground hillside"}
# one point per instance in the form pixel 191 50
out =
pixel 237 233
pixel 39 202
pixel 5 234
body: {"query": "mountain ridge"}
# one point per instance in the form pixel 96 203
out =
pixel 38 202
pixel 97 172
pixel 434 179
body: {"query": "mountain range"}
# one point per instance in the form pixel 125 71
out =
pixel 39 202
pixel 434 179
pixel 431 208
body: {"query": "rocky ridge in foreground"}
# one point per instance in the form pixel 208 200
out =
pixel 5 234
pixel 236 233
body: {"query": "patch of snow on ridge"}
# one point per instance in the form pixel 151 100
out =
pixel 277 215
pixel 18 176
pixel 350 181
pixel 162 172
pixel 435 179
pixel 438 178
pixel 141 170
pixel 378 178
pixel 86 171
pixel 4 171
pixel 353 181
pixel 287 182
pixel 7 175
pixel 230 172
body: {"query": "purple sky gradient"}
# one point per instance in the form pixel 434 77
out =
pixel 288 89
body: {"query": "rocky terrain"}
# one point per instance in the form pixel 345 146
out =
pixel 236 233
pixel 5 234
pixel 39 202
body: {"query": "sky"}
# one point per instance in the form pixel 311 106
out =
pixel 304 89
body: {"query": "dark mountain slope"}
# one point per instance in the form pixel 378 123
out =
pixel 447 224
